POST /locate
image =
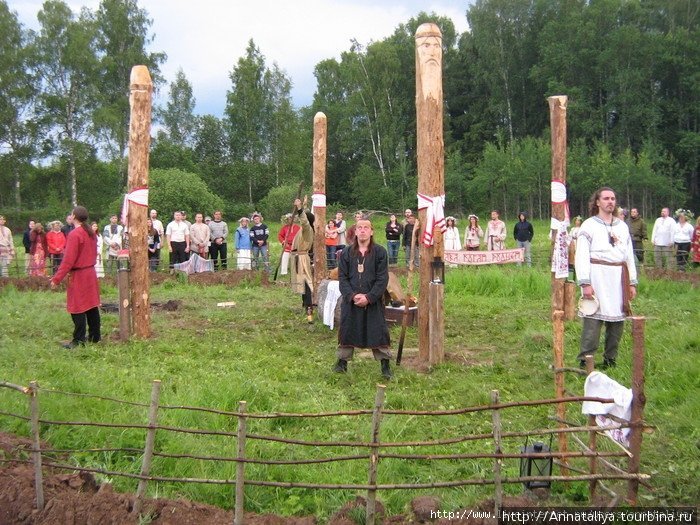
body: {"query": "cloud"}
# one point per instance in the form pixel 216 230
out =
pixel 205 38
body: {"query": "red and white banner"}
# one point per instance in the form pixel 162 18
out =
pixel 479 258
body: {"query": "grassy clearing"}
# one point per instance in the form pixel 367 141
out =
pixel 263 352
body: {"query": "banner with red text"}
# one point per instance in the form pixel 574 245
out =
pixel 478 258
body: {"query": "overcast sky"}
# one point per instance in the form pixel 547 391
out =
pixel 207 37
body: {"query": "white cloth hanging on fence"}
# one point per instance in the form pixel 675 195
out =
pixel 195 264
pixel 599 385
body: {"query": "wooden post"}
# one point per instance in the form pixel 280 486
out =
pixel 638 401
pixel 592 441
pixel 139 146
pixel 124 299
pixel 498 487
pixel 557 119
pixel 36 443
pixel 431 162
pixel 374 455
pixel 569 301
pixel 240 466
pixel 437 322
pixel 148 449
pixel 319 198
pixel 559 390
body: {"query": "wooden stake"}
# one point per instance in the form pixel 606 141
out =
pixel 557 120
pixel 498 487
pixel 124 299
pixel 139 146
pixel 150 445
pixel 437 322
pixel 240 466
pixel 374 455
pixel 409 292
pixel 319 167
pixel 592 440
pixel 431 160
pixel 558 344
pixel 638 401
pixel 36 442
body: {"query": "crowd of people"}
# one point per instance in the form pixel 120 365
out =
pixel 675 243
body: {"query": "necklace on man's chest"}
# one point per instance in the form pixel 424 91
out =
pixel 361 264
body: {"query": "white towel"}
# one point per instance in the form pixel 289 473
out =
pixel 332 296
pixel 599 385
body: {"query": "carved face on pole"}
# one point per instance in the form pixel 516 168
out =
pixel 429 49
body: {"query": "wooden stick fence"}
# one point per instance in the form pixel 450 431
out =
pixel 375 446
pixel 636 423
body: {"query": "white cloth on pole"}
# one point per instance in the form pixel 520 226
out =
pixel 435 216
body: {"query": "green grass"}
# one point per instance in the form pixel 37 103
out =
pixel 263 352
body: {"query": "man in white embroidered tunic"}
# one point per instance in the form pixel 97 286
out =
pixel 605 267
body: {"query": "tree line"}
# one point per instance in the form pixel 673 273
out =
pixel 629 67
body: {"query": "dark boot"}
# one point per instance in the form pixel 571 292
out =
pixel 386 369
pixel 608 363
pixel 341 366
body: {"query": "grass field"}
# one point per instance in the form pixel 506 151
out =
pixel 263 352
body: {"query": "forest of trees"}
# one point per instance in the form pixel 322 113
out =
pixel 631 70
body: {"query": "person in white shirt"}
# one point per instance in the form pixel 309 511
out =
pixel 606 269
pixel 157 224
pixel 178 236
pixel 682 237
pixel 662 239
pixel 112 236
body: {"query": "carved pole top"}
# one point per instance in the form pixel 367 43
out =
pixel 428 29
pixel 140 78
pixel 319 116
pixel 561 100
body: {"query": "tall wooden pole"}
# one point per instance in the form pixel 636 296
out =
pixel 319 199
pixel 638 402
pixel 431 161
pixel 139 146
pixel 557 119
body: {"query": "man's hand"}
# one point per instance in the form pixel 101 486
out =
pixel 633 292
pixel 170 247
pixel 187 249
pixel 53 285
pixel 587 291
pixel 360 300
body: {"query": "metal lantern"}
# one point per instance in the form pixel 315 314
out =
pixel 533 466
pixel 437 270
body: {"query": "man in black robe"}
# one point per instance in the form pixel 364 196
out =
pixel 363 275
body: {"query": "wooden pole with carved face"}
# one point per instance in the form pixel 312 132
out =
pixel 431 167
pixel 319 201
pixel 139 145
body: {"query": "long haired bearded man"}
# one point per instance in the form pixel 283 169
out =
pixel 363 274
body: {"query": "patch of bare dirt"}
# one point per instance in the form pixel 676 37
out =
pixel 692 277
pixel 227 277
pixel 78 499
